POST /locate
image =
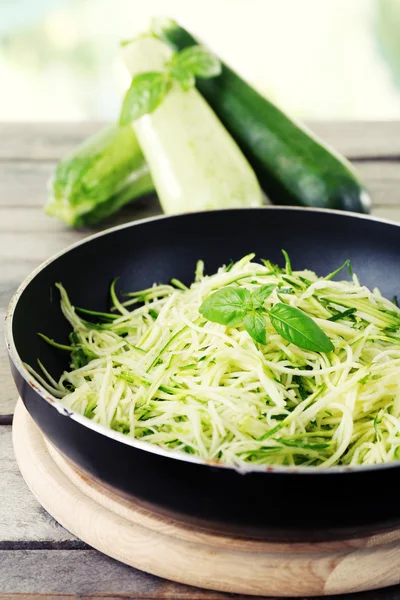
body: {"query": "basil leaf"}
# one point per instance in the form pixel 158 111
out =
pixel 254 324
pixel 298 328
pixel 146 92
pixel 185 78
pixel 197 60
pixel 227 306
pixel 259 295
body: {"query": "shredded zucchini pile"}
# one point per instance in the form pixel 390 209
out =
pixel 156 370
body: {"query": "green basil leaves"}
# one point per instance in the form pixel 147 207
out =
pixel 259 296
pixel 234 306
pixel 254 324
pixel 148 90
pixel 227 306
pixel 195 61
pixel 297 327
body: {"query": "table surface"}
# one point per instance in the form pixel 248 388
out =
pixel 38 558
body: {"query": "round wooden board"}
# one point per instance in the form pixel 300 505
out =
pixel 135 536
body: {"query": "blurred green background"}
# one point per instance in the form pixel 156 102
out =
pixel 320 59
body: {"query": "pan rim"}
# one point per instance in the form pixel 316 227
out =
pixel 147 446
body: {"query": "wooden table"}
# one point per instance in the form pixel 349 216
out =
pixel 38 558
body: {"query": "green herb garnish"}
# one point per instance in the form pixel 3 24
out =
pixel 232 306
pixel 148 90
pixel 297 327
pixel 235 306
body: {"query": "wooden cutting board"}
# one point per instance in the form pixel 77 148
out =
pixel 173 550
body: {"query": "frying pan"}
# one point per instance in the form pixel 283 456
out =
pixel 273 503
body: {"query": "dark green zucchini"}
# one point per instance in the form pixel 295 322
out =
pixel 292 165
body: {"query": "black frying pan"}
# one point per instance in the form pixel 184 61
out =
pixel 283 503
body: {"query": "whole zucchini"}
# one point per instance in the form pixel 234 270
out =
pixel 194 162
pixel 105 172
pixel 291 164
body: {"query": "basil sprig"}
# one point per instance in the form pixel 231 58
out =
pixel 148 90
pixel 233 306
pixel 192 62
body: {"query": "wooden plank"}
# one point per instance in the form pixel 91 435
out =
pixel 85 574
pixel 9 392
pixel 22 519
pixel 360 139
pixel 42 141
pixel 36 223
pixel 52 141
pixel 24 185
pixel 12 272
pixel 17 246
pixel 392 213
pixel 33 219
pixel 40 242
pixel 382 180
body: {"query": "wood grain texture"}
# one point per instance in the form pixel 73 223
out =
pixel 360 140
pixel 52 141
pixel 390 213
pixel 22 519
pixel 89 575
pixel 7 386
pixel 48 574
pixel 197 559
pixel 383 181
pixel 23 185
pixel 36 221
pixel 42 141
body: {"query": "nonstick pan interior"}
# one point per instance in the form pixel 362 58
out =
pixel 277 503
